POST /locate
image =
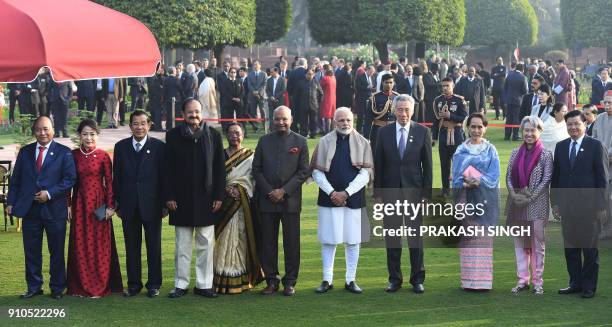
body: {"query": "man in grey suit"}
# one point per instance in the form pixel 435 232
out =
pixel 472 89
pixel 256 81
pixel 514 89
pixel 280 166
pixel 275 90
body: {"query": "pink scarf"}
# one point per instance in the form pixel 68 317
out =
pixel 520 176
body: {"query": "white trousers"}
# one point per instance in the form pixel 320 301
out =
pixel 205 243
pixel 351 252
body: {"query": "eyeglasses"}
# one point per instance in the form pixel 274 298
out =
pixel 607 102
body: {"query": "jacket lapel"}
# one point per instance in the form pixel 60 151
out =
pixel 49 157
pixel 146 152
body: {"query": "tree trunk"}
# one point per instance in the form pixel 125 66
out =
pixel 383 51
pixel 218 51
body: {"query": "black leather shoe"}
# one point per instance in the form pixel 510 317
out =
pixel 205 292
pixel 30 294
pixel 270 289
pixel 392 287
pixel 153 292
pixel 176 293
pixel 588 294
pixel 418 288
pixel 131 292
pixel 57 295
pixel 569 290
pixel 324 287
pixel 289 291
pixel 353 288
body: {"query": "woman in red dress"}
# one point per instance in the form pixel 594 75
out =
pixel 328 104
pixel 93 264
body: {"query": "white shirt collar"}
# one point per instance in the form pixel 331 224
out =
pixel 142 142
pixel 38 145
pixel 578 143
pixel 398 126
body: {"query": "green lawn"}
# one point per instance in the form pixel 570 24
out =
pixel 443 303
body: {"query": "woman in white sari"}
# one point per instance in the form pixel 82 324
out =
pixel 555 129
pixel 237 266
pixel 207 94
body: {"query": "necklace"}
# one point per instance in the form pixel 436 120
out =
pixel 87 154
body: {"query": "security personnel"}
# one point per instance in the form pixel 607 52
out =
pixel 498 75
pixel 378 110
pixel 450 112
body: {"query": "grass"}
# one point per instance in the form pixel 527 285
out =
pixel 443 303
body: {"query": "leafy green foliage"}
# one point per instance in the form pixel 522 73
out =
pixel 273 19
pixel 502 23
pixel 585 23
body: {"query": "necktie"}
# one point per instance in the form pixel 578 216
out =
pixel 39 159
pixel 534 100
pixel 573 154
pixel 402 143
pixel 138 146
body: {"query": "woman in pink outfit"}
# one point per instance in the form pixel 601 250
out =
pixel 328 104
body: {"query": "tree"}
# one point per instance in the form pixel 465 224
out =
pixel 586 24
pixel 500 23
pixel 384 22
pixel 268 26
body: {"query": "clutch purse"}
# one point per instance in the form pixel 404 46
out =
pixel 100 213
pixel 471 172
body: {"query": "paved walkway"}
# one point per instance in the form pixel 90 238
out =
pixel 106 141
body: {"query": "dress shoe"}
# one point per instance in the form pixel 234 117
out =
pixel 353 288
pixel 30 294
pixel 519 288
pixel 176 293
pixel 153 292
pixel 270 289
pixel 289 291
pixel 131 292
pixel 324 287
pixel 569 290
pixel 205 292
pixel 392 287
pixel 418 288
pixel 588 294
pixel 57 295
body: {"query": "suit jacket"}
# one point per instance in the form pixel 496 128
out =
pixel 86 88
pixel 515 87
pixel 189 85
pixel 474 92
pixel 60 93
pixel 278 91
pixel 598 90
pixel 57 176
pixel 281 161
pixel 119 88
pixel 172 89
pixel 526 104
pixel 230 89
pixel 256 83
pixel 137 185
pixel 201 76
pixel 413 171
pixel 296 81
pixel 344 89
pixel 498 75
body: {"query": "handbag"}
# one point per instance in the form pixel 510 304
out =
pixel 100 213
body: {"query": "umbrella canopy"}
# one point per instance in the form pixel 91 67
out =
pixel 76 39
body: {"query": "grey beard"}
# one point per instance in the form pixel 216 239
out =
pixel 344 131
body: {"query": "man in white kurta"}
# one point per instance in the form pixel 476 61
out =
pixel 602 131
pixel 342 166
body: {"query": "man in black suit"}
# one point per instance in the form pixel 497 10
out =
pixel 137 190
pixel 344 87
pixel 472 89
pixel 531 99
pixel 498 75
pixel 275 90
pixel 579 176
pixel 172 89
pixel 515 87
pixel 137 92
pixel 86 92
pixel 295 88
pixel 155 85
pixel 224 75
pixel 189 82
pixel 486 77
pixel 256 82
pixel 280 166
pixel 403 162
pixel 600 85
pixel 363 92
pixel 59 103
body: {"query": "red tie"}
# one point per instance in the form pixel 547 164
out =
pixel 39 159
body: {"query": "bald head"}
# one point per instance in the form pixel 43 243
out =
pixel 43 130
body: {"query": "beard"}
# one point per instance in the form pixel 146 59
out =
pixel 344 131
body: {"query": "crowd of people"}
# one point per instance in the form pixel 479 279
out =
pixel 373 119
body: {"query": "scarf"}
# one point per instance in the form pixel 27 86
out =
pixel 520 176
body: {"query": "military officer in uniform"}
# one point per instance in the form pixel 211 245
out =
pixel 378 110
pixel 450 112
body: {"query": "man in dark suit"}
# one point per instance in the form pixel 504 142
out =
pixel 137 92
pixel 189 82
pixel 280 166
pixel 531 99
pixel 256 81
pixel 600 85
pixel 137 188
pixel 60 94
pixel 13 100
pixel 86 92
pixel 403 162
pixel 295 89
pixel 579 176
pixel 515 87
pixel 486 77
pixel 363 92
pixel 230 89
pixel 224 75
pixel 498 75
pixel 472 89
pixel 40 91
pixel 275 90
pixel 43 173
pixel 155 85
pixel 25 99
pixel 100 100
pixel 172 90
pixel 344 87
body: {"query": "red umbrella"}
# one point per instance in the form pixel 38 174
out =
pixel 76 39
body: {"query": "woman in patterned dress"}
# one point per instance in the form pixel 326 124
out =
pixel 93 264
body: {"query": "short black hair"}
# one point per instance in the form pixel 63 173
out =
pixel 233 124
pixel 139 112
pixel 519 66
pixel 242 69
pixel 393 66
pixel 88 122
pixel 386 77
pixel 574 113
pixel 208 72
pixel 187 101
pixel 485 122
pixel 556 108
pixel 480 65
pixel 560 61
pixel 448 79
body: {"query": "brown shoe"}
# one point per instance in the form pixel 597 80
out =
pixel 289 291
pixel 270 289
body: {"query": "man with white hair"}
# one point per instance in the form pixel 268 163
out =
pixel 342 165
pixel 189 82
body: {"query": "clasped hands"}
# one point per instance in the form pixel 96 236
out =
pixel 521 198
pixel 277 195
pixel 339 198
pixel 172 205
pixel 469 182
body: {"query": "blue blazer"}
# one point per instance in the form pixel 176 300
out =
pixel 514 88
pixel 57 176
